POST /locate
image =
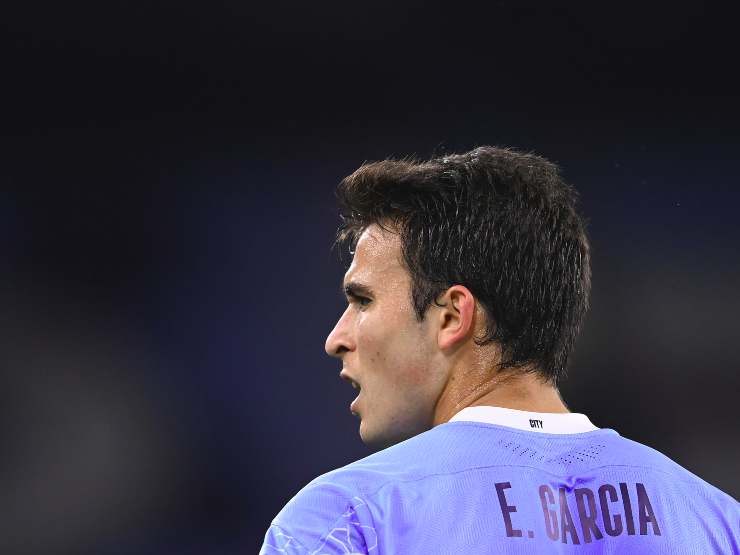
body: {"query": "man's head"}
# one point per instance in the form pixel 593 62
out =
pixel 457 253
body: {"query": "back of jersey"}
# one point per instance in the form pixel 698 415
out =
pixel 476 487
pixel 495 489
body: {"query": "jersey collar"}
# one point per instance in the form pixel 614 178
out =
pixel 543 422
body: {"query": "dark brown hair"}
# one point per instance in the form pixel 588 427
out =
pixel 500 222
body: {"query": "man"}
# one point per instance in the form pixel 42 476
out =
pixel 467 289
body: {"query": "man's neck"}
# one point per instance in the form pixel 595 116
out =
pixel 512 390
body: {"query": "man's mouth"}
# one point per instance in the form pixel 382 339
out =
pixel 353 405
pixel 346 377
pixel 356 385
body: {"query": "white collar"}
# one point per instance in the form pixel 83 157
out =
pixel 543 422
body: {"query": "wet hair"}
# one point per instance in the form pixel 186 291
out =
pixel 504 224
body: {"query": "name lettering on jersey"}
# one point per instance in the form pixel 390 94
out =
pixel 582 515
pixel 535 423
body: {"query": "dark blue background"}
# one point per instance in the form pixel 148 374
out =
pixel 167 218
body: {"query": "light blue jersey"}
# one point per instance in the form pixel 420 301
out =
pixel 473 487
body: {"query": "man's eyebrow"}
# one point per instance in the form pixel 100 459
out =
pixel 356 289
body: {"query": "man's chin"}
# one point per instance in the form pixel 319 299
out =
pixel 377 441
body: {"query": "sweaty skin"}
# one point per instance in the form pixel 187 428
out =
pixel 415 375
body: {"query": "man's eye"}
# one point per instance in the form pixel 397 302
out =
pixel 360 301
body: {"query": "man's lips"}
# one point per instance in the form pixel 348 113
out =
pixel 346 377
pixel 353 405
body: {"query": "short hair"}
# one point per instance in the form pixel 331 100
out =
pixel 501 222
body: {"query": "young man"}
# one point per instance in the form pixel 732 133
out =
pixel 467 289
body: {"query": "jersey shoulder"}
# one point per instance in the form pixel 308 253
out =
pixel 637 455
pixel 405 461
pixel 452 447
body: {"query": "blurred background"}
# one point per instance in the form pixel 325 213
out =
pixel 167 215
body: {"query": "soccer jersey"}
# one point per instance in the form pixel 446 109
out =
pixel 495 480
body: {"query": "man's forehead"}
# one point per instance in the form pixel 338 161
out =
pixel 377 254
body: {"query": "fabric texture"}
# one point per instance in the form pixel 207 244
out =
pixel 478 488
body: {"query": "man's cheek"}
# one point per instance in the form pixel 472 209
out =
pixel 412 376
pixel 415 364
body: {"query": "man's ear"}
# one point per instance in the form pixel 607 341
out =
pixel 456 316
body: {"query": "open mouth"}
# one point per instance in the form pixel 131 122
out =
pixel 353 405
pixel 356 385
pixel 346 377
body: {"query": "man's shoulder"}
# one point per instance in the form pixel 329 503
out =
pixel 337 500
pixel 365 476
pixel 434 451
pixel 450 448
pixel 455 446
pixel 406 460
pixel 640 455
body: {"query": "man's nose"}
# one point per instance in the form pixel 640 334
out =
pixel 340 340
